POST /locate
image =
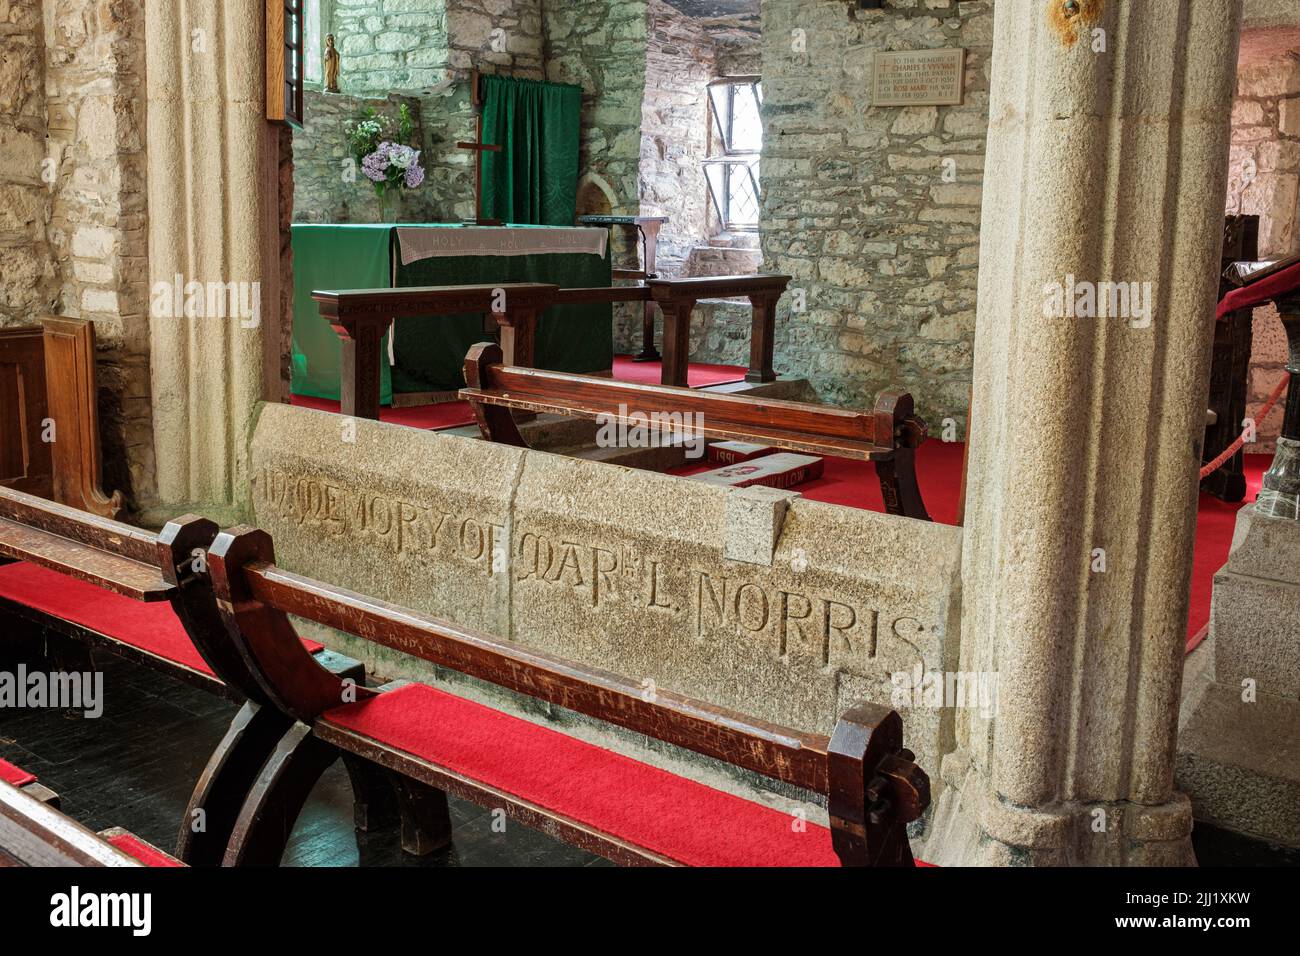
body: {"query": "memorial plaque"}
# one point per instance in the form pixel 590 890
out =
pixel 918 77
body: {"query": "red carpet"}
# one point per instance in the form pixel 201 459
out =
pixel 154 628
pixel 853 483
pixel 676 817
pixel 456 414
pixel 15 776
pixel 1215 521
pixel 146 853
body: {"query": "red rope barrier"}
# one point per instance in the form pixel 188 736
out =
pixel 1235 447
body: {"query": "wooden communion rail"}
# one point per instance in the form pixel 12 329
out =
pixel 361 316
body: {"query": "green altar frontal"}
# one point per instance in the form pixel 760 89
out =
pixel 429 353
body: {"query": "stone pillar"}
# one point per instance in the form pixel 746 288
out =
pixel 1104 165
pixel 213 218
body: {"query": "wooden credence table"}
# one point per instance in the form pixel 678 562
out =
pixel 361 316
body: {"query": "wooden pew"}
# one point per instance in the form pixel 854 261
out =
pixel 887 436
pixel 35 833
pixel 361 316
pixel 47 378
pixel 97 582
pixel 625 810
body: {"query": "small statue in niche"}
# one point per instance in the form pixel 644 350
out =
pixel 331 65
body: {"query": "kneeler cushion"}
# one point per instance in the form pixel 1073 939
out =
pixel 150 627
pixel 671 815
pixel 15 776
pixel 146 853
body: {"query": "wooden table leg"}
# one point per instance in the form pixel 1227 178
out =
pixel 649 250
pixel 677 342
pixel 359 368
pixel 761 339
pixel 518 336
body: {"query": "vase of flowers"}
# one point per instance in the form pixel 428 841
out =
pixel 379 149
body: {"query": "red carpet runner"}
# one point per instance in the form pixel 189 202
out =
pixel 15 776
pixel 153 628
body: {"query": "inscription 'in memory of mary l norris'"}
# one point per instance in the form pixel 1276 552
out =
pixel 918 77
pixel 833 630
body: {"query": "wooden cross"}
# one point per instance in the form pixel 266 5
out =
pixel 479 148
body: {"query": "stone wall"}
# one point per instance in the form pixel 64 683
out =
pixel 94 82
pixel 1265 160
pixel 857 207
pixel 409 45
pixel 387 45
pixel 600 45
pixel 681 59
pixel 1264 180
pixel 27 281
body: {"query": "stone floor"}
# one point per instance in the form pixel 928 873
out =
pixel 134 767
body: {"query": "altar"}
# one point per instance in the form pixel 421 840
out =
pixel 427 355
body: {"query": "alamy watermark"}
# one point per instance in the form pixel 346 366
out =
pixel 207 300
pixel 635 429
pixel 77 909
pixel 933 690
pixel 1099 300
pixel 64 690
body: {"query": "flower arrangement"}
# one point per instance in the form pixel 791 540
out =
pixel 378 148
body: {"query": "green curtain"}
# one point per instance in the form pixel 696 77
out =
pixel 334 257
pixel 534 179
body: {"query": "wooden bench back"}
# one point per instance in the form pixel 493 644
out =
pixel 236 603
pixel 169 566
pixel 862 768
pixel 796 426
pixel 888 435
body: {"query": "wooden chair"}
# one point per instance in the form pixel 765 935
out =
pixel 95 582
pixel 887 436
pixel 602 801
